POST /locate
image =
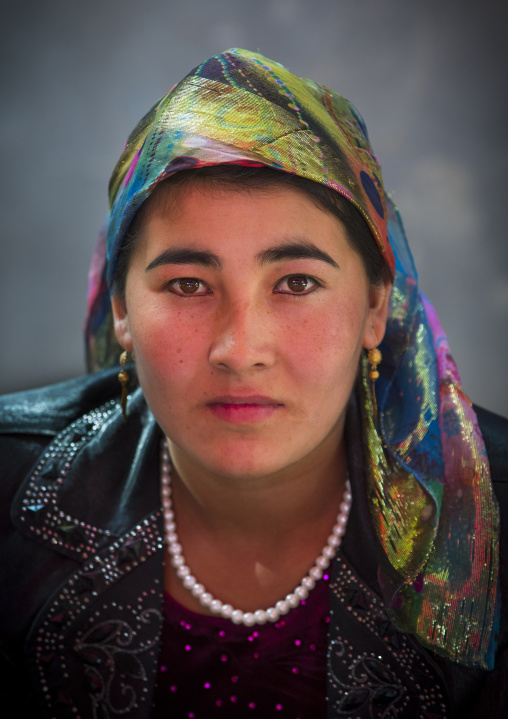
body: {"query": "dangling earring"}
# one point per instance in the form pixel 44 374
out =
pixel 374 357
pixel 123 378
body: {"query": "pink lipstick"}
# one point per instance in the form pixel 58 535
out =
pixel 254 408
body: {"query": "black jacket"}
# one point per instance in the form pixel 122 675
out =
pixel 81 573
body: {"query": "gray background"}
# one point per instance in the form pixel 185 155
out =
pixel 429 78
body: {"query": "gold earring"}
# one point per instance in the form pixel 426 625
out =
pixel 123 378
pixel 374 357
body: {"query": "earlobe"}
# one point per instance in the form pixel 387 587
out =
pixel 379 301
pixel 121 323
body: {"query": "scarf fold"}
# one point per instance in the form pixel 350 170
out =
pixel 428 476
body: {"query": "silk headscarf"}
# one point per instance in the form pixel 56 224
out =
pixel 428 478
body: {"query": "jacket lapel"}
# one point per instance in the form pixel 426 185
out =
pixel 94 498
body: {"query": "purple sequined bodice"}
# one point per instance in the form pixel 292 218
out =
pixel 210 667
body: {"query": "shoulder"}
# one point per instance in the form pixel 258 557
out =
pixel 48 410
pixel 494 429
pixel 30 420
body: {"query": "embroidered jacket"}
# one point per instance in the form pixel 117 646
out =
pixel 81 573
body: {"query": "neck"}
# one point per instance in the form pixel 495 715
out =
pixel 243 573
pixel 262 509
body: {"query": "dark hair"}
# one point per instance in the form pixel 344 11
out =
pixel 245 178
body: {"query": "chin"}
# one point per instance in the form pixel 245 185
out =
pixel 244 459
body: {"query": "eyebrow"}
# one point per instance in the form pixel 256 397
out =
pixel 186 256
pixel 295 251
pixel 278 253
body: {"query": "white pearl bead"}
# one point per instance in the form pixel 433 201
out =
pixel 260 617
pixel 292 600
pixel 198 590
pixel 183 571
pixel 301 592
pixel 175 548
pixel 172 538
pixel 316 573
pixel 216 606
pixel 345 507
pixel 329 552
pixel 272 614
pixel 206 599
pixel 249 619
pixel 237 616
pixel 333 540
pixel 342 520
pixel 282 607
pixel 322 562
pixel 189 581
pixel 226 611
pixel 177 561
pixel 309 583
pixel 339 530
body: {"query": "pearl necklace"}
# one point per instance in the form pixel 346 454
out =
pixel 261 616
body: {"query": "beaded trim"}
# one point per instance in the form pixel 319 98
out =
pixel 391 677
pixel 40 511
pixel 103 647
pixel 111 653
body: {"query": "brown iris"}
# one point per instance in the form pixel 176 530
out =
pixel 297 283
pixel 189 286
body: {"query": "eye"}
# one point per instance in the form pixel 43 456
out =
pixel 297 285
pixel 188 286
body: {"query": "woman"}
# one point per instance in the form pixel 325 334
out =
pixel 259 276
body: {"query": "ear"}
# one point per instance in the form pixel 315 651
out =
pixel 121 323
pixel 375 326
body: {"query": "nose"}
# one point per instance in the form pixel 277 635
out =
pixel 242 338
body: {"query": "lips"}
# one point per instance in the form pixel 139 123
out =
pixel 251 408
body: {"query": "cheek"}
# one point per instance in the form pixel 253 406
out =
pixel 167 345
pixel 327 345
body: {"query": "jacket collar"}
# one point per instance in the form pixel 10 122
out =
pixel 79 505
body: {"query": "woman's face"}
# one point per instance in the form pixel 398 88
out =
pixel 247 313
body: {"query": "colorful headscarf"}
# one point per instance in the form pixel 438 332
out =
pixel 428 476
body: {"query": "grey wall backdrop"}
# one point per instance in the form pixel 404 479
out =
pixel 429 78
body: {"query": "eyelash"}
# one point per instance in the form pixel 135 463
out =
pixel 315 286
pixel 171 286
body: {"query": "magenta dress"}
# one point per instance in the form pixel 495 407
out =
pixel 210 667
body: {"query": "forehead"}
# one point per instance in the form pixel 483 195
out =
pixel 199 207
